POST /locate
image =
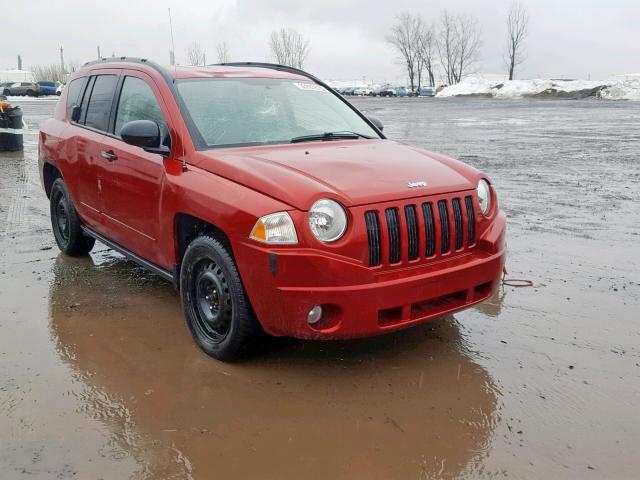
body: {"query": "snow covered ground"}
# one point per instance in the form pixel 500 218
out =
pixel 617 89
pixel 22 99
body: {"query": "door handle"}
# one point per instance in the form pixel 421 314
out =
pixel 109 155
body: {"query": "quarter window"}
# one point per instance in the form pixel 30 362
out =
pixel 138 102
pixel 74 89
pixel 100 101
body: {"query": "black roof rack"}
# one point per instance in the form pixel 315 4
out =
pixel 273 66
pixel 117 59
pixel 143 61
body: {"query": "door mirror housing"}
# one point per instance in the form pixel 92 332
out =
pixel 144 134
pixel 377 123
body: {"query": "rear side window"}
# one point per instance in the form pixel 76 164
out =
pixel 99 107
pixel 138 102
pixel 74 90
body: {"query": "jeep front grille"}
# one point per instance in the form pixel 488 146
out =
pixel 442 227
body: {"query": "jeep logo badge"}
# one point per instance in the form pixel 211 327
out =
pixel 416 184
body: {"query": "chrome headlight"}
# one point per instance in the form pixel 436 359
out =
pixel 327 220
pixel 276 229
pixel 484 196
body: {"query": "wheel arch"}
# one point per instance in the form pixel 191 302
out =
pixel 188 227
pixel 50 173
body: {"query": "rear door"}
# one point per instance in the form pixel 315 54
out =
pixel 87 134
pixel 133 179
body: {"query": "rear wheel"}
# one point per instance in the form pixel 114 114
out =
pixel 31 93
pixel 214 302
pixel 66 224
pixel 6 92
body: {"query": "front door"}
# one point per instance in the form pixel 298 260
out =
pixel 132 179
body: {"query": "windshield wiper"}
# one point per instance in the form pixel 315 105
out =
pixel 322 137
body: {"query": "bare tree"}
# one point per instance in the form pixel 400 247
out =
pixel 288 47
pixel 458 43
pixel 222 50
pixel 426 53
pixel 195 54
pixel 404 37
pixel 469 42
pixel 517 29
pixel 447 45
pixel 49 73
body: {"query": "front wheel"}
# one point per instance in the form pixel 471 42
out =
pixel 66 223
pixel 214 302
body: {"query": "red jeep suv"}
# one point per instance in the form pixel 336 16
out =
pixel 268 199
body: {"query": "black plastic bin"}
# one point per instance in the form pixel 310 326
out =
pixel 11 118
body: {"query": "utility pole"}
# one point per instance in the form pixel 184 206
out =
pixel 62 59
pixel 99 56
pixel 19 62
pixel 172 52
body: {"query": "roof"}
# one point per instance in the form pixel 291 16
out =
pixel 243 70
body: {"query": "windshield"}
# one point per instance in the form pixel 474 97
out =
pixel 259 111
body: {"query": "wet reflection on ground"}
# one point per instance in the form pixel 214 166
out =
pixel 410 405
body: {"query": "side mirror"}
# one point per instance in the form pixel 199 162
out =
pixel 75 113
pixel 144 134
pixel 377 123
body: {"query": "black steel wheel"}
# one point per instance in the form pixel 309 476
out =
pixel 214 302
pixel 65 222
pixel 211 297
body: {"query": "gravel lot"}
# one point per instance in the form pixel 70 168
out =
pixel 99 377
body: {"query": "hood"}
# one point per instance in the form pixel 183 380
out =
pixel 357 172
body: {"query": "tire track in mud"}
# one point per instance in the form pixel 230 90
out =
pixel 20 217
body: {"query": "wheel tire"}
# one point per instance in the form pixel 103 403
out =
pixel 31 93
pixel 66 224
pixel 6 92
pixel 215 305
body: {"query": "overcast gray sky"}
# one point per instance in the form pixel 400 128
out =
pixel 568 38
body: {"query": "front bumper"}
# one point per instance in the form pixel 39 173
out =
pixel 284 284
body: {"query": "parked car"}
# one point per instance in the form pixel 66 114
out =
pixel 22 88
pixel 48 88
pixel 266 216
pixel 348 91
pixel 401 92
pixel 383 91
pixel 363 91
pixel 427 92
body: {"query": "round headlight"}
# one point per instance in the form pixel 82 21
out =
pixel 327 220
pixel 484 196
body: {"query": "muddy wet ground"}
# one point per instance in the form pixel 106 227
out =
pixel 99 377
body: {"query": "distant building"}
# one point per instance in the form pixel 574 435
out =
pixel 16 76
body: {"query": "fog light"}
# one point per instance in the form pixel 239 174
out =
pixel 314 315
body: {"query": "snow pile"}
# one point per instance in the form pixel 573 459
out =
pixel 622 90
pixel 480 86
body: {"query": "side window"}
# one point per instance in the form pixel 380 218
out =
pixel 99 107
pixel 138 102
pixel 74 90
